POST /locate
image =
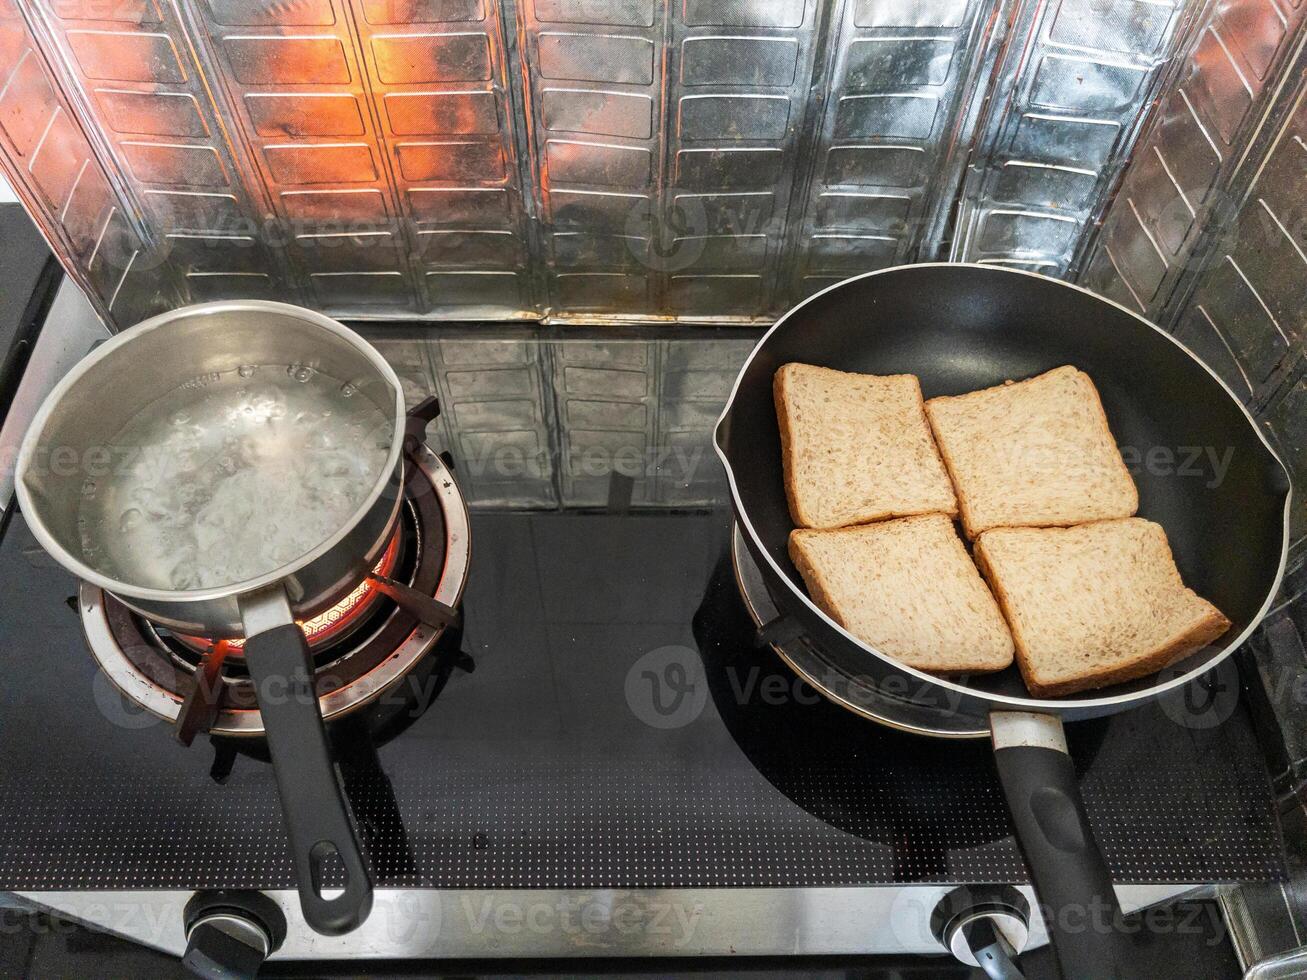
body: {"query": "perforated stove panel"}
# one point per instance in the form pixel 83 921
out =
pixel 506 828
pixel 548 765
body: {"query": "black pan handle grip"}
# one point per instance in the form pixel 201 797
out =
pixel 1070 875
pixel 317 820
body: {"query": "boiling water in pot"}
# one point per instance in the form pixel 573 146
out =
pixel 232 475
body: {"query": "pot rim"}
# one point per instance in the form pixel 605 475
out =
pixel 31 441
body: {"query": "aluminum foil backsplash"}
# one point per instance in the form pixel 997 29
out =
pixel 625 160
pixel 555 159
pixel 601 160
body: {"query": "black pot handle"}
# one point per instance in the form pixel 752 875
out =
pixel 316 814
pixel 1070 875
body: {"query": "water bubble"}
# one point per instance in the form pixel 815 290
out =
pixel 318 441
pixel 180 417
pixel 184 576
pixel 348 390
pixel 246 370
pixel 130 519
pixel 247 492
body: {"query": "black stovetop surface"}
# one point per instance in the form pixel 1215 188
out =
pixel 28 278
pixel 618 730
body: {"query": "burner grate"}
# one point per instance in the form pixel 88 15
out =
pixel 333 625
pixel 159 670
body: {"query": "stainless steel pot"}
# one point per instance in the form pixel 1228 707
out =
pixel 67 442
pixel 181 368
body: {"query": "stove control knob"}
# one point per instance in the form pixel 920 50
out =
pixel 230 933
pixel 985 927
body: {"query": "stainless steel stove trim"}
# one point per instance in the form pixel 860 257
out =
pixel 414 923
pixel 166 704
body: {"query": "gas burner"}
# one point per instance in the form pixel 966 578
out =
pixel 362 647
pixel 858 694
pixel 334 624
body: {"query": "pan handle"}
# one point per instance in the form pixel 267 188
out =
pixel 316 813
pixel 1070 875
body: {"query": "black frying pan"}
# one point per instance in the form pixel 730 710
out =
pixel 964 327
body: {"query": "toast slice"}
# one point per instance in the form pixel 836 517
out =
pixel 908 588
pixel 856 448
pixel 1032 453
pixel 1094 605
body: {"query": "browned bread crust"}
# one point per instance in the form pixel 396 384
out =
pixel 1033 453
pixel 856 448
pixel 907 588
pixel 1036 610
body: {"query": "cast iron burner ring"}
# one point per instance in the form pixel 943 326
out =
pixel 157 670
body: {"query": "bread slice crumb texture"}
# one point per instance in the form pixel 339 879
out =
pixel 1032 453
pixel 1094 605
pixel 909 589
pixel 856 448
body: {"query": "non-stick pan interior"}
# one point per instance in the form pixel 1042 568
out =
pixel 1202 471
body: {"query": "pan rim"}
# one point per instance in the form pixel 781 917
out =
pixel 997 701
pixel 128 590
